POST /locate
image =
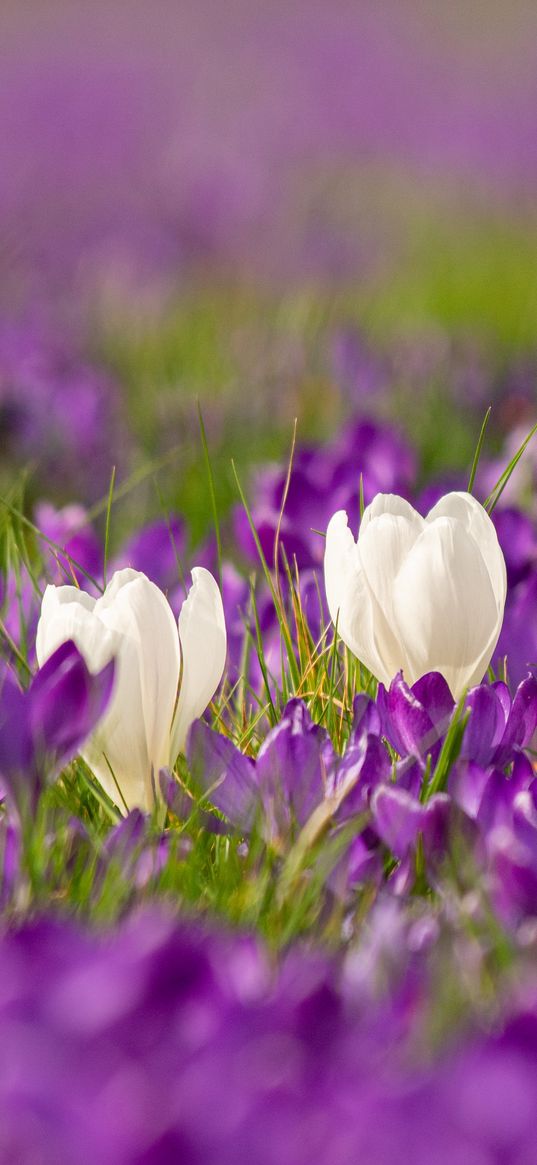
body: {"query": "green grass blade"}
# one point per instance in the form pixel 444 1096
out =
pixel 479 447
pixel 495 494
pixel 212 492
pixel 107 526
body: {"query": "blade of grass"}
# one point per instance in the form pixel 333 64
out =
pixel 107 525
pixel 479 447
pixel 450 750
pixel 49 541
pixel 212 492
pixel 496 493
pixel 284 627
pixel 282 508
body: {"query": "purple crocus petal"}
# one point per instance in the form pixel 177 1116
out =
pixel 409 775
pixel 366 717
pixel 518 638
pixel 364 864
pixel 152 861
pixel 363 767
pixel 289 768
pixel 182 804
pixel 15 736
pixel 496 807
pixel 402 716
pixel 466 784
pixel 405 722
pixel 359 865
pixel 485 727
pixel 522 721
pixel 66 702
pixel 518 540
pixel 398 818
pixel 435 825
pixel 514 874
pixel 377 766
pixel 433 693
pixel 504 696
pixel 522 772
pixel 175 797
pixel 125 839
pixel 525 817
pixel 224 775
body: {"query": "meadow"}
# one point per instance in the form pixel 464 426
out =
pixel 268 817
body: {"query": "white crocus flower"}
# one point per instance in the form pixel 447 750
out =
pixel 166 673
pixel 418 594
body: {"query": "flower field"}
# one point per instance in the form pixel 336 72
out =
pixel 268 583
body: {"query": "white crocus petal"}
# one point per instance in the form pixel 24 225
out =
pixel 465 508
pixel 202 635
pixel 133 622
pixel 418 594
pixel 349 598
pixel 135 732
pixel 445 608
pixel 395 507
pixel 68 613
pixel 383 545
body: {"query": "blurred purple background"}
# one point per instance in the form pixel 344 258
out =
pixel 282 138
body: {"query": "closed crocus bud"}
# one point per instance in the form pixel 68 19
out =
pixel 418 594
pixel 165 674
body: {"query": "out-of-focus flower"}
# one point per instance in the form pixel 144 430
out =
pixel 250 1058
pixel 418 594
pixel 43 728
pixel 68 530
pixel 157 550
pixel 400 819
pixel 517 536
pixel 518 640
pixel 147 722
pixel 58 411
pixel 324 479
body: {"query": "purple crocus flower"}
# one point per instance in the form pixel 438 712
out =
pixel 140 854
pixel 69 528
pixel 324 479
pixel 499 725
pixel 43 728
pixel 415 721
pixel 400 819
pixel 157 550
pixel 295 771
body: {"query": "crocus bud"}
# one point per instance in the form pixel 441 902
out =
pixel 418 594
pixel 165 674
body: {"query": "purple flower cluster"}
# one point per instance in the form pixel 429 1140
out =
pixel 163 1042
pixel 408 802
